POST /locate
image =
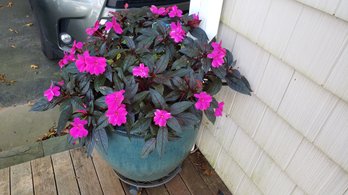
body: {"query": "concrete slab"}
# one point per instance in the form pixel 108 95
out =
pixel 16 31
pixel 20 47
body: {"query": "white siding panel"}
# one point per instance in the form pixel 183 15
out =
pixel 342 11
pixel 279 24
pixel 251 60
pixel 274 82
pixel 298 191
pixel 244 151
pixel 225 131
pixel 338 79
pixel 248 17
pixel 270 179
pixel 229 171
pixel 227 35
pixel 247 112
pixel 306 106
pixel 228 97
pixel 333 138
pixel 209 146
pixel 310 168
pixel 277 138
pixel 316 43
pixel 227 10
pixel 337 184
pixel 247 187
pixel 328 6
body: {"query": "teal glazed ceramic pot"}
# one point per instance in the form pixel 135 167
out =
pixel 124 155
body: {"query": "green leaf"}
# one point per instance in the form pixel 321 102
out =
pixel 131 88
pixel 118 84
pixel 206 64
pixel 101 138
pixel 141 125
pixel 41 105
pixel 210 114
pixel 140 96
pixel 100 102
pixel 149 146
pixel 129 42
pixel 161 140
pixel 238 84
pixel 128 61
pixel 77 103
pixel 172 96
pixel 65 113
pixel 98 82
pixel 199 34
pixel 157 99
pixel 180 107
pixel 90 146
pixel 229 58
pixel 180 63
pixel 213 85
pixel 187 118
pixel 159 88
pixel 105 90
pixel 71 68
pixel 148 60
pixel 162 63
pixel 114 52
pixel 108 73
pixel 174 124
pixel 220 72
pixel 102 122
pixel 189 51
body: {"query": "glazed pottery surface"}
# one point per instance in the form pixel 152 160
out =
pixel 124 155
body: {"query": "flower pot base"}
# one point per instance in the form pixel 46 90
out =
pixel 137 185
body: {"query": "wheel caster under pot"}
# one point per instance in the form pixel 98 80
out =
pixel 135 186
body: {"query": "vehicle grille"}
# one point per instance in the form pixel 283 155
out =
pixel 119 4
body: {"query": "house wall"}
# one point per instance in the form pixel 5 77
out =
pixel 291 135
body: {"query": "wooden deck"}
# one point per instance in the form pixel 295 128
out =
pixel 71 172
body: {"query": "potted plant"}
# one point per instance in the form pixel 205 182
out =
pixel 141 83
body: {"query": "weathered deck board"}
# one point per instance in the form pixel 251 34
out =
pixel 108 179
pixel 177 186
pixel 43 177
pixel 207 173
pixel 5 181
pixel 87 178
pixel 71 172
pixel 64 174
pixel 21 179
pixel 160 190
pixel 193 180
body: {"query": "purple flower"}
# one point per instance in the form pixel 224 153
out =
pixel 176 32
pixel 219 109
pixel 204 100
pixel 158 11
pixel 115 25
pixel 78 130
pixel 141 71
pixel 161 117
pixel 175 11
pixel 53 91
pixel 217 55
pixel 81 61
pixel 68 57
pixel 95 65
pixel 92 30
pixel 113 100
pixel 117 116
